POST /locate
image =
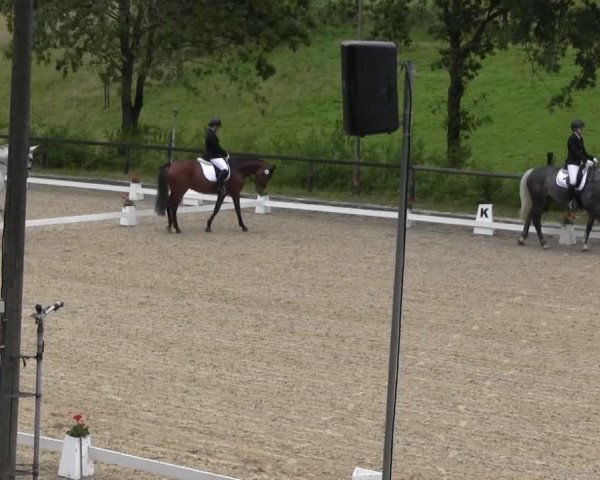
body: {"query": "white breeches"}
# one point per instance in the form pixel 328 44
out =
pixel 573 171
pixel 220 163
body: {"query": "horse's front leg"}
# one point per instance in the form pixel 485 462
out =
pixel 218 204
pixel 238 211
pixel 588 230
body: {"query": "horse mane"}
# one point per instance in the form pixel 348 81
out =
pixel 246 164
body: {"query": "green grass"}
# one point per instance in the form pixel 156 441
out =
pixel 304 114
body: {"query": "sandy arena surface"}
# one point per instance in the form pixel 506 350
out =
pixel 264 355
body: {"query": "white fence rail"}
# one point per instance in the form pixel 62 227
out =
pixel 440 219
pixel 127 461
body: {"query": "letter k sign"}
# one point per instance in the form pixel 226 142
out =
pixel 484 219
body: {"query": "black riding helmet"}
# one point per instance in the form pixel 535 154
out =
pixel 577 124
pixel 215 122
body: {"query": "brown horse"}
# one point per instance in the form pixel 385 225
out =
pixel 175 179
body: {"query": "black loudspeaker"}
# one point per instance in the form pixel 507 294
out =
pixel 369 87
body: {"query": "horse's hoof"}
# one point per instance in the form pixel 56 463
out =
pixel 207 229
pixel 545 246
pixel 244 229
pixel 521 241
pixel 585 247
pixel 169 230
pixel 177 230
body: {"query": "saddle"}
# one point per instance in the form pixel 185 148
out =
pixel 208 169
pixel 562 178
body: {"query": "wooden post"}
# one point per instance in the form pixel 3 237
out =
pixel 311 176
pixel 13 237
pixel 356 177
pixel 127 160
pixel 412 192
pixel 45 152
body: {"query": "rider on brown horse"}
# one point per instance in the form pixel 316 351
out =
pixel 216 154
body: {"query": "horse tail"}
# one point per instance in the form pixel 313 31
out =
pixel 162 191
pixel 525 195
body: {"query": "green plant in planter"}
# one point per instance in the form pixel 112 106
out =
pixel 80 429
pixel 128 202
pixel 569 218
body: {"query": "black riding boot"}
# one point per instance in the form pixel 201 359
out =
pixel 221 176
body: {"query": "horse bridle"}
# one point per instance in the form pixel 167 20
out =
pixel 29 161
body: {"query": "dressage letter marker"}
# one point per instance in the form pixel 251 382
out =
pixel 484 219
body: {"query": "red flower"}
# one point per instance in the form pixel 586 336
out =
pixel 80 429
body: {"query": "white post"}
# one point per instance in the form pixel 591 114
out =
pixel 135 191
pixel 262 204
pixel 567 235
pixel 128 217
pixel 364 474
pixel 409 221
pixel 191 200
pixel 75 460
pixel 484 219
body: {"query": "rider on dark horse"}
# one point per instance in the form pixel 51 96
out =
pixel 577 157
pixel 216 154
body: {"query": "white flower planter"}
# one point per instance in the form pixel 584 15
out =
pixel 567 235
pixel 135 191
pixel 262 204
pixel 191 201
pixel 75 459
pixel 128 217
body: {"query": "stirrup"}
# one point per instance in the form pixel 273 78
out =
pixel 572 204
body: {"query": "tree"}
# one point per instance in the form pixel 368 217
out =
pixel 471 30
pixel 133 41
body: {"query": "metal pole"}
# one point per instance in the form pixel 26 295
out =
pixel 172 138
pixel 356 179
pixel 14 236
pixel 38 398
pixel 398 282
pixel 39 318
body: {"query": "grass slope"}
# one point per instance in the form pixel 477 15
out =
pixel 304 109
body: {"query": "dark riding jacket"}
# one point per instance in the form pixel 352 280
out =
pixel 576 151
pixel 212 149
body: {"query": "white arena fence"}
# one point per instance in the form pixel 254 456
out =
pixel 127 461
pixel 509 225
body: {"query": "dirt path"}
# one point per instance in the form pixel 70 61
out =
pixel 264 355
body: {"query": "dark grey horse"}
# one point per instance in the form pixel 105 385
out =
pixel 538 188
